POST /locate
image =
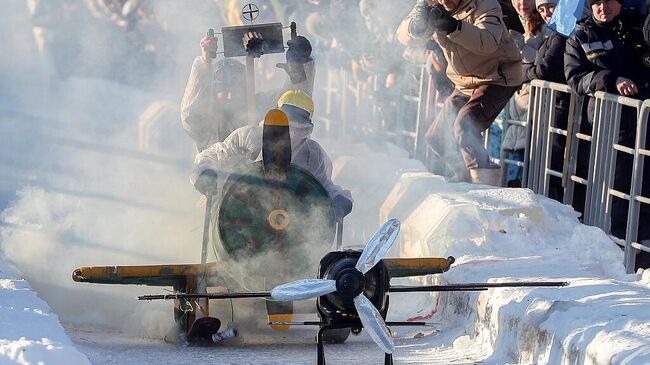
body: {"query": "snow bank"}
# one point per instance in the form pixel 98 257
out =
pixel 499 235
pixel 30 333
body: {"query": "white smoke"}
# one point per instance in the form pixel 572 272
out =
pixel 86 195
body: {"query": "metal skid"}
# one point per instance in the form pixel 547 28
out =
pixel 320 356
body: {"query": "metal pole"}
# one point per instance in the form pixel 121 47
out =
pixel 571 150
pixel 475 286
pixel 526 178
pixel 595 134
pixel 339 234
pixel 206 296
pixel 202 284
pixel 605 214
pixel 635 190
pixel 250 90
pixel 548 142
pixel 422 106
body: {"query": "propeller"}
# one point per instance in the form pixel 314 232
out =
pixel 350 283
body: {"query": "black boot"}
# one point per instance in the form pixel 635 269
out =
pixel 203 329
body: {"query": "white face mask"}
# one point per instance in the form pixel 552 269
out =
pixel 299 133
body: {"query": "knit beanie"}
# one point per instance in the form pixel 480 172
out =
pixel 591 2
pixel 538 3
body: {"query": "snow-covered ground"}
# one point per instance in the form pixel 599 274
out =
pixel 95 173
pixel 494 234
pixel 29 332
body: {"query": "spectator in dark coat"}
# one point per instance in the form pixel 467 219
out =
pixel 605 54
pixel 549 61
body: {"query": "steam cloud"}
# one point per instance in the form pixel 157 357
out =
pixel 79 185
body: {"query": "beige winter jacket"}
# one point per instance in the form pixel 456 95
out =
pixel 480 52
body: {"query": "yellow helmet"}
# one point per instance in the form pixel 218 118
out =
pixel 299 99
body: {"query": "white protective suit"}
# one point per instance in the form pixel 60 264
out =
pixel 244 145
pixel 199 115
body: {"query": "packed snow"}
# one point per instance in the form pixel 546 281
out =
pixel 30 333
pixel 96 173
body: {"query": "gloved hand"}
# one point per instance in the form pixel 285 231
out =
pixel 299 50
pixel 441 20
pixel 422 19
pixel 297 55
pixel 206 183
pixel 254 44
pixel 342 206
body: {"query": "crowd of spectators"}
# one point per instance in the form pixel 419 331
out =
pixel 607 52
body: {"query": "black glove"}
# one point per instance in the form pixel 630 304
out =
pixel 254 44
pixel 441 20
pixel 206 182
pixel 298 54
pixel 299 50
pixel 421 20
pixel 342 206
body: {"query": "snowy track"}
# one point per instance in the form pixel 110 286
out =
pixel 291 347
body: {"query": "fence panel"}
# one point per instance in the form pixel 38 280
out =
pixel 352 105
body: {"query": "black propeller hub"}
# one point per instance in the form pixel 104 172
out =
pixel 339 305
pixel 350 283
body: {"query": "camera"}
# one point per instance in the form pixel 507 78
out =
pixel 425 14
pixel 436 12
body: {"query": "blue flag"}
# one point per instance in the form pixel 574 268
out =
pixel 565 16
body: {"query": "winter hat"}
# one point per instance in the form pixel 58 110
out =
pixel 591 2
pixel 539 3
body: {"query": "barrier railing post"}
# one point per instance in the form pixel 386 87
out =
pixel 601 160
pixel 592 185
pixel 571 153
pixel 529 160
pixel 547 141
pixel 610 163
pixel 640 153
pixel 422 109
pixel 540 129
pixel 502 152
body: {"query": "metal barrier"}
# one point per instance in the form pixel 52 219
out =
pixel 635 198
pixel 541 116
pixel 352 106
pixel 604 146
pixel 350 103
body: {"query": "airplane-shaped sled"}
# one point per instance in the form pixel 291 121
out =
pixel 278 207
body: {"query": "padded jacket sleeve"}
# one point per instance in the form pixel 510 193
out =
pixel 549 63
pixel 241 146
pixel 582 75
pixel 483 35
pixel 196 105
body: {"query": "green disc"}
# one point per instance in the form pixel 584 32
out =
pixel 261 212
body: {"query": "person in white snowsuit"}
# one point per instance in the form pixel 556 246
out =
pixel 244 146
pixel 214 102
